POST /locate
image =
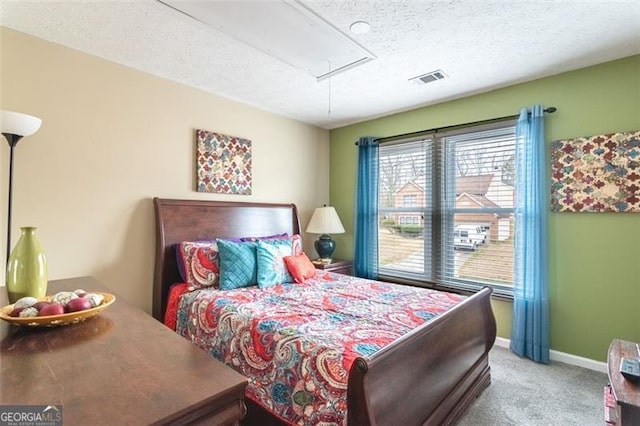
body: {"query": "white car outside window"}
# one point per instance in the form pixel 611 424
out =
pixel 461 239
pixel 475 233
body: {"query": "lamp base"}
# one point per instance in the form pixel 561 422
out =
pixel 324 247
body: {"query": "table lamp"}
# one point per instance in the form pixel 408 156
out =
pixel 325 221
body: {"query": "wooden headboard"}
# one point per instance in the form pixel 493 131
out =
pixel 197 220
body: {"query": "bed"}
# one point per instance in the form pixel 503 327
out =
pixel 429 375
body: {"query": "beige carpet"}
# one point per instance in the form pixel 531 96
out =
pixel 526 393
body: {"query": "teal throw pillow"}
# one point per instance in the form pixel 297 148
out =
pixel 237 264
pixel 271 267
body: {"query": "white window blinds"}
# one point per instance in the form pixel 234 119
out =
pixel 446 208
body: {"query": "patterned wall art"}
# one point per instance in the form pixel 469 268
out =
pixel 223 163
pixel 596 173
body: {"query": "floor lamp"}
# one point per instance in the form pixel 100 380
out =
pixel 15 126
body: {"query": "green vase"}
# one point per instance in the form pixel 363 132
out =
pixel 27 268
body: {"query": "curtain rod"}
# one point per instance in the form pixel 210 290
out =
pixel 549 110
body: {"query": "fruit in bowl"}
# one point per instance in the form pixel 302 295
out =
pixel 58 309
pixel 51 309
pixel 79 304
pixel 58 304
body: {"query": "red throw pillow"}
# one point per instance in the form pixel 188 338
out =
pixel 198 263
pixel 300 267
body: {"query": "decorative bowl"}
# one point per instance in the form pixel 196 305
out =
pixel 57 320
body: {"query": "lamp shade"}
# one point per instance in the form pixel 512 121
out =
pixel 325 220
pixel 16 123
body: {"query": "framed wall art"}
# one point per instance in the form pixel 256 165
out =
pixel 596 173
pixel 223 163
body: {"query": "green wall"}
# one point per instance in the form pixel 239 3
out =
pixel 594 258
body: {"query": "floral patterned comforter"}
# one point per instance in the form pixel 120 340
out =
pixel 296 342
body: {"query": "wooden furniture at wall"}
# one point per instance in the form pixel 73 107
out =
pixel 428 376
pixel 339 266
pixel 626 393
pixel 119 367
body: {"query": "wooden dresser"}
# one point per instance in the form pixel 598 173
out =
pixel 119 367
pixel 625 393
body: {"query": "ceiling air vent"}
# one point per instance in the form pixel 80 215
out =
pixel 428 77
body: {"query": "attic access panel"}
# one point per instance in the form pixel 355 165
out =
pixel 284 29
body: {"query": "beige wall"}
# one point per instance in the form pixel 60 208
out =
pixel 112 138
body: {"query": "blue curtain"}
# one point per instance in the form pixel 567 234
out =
pixel 530 331
pixel 365 262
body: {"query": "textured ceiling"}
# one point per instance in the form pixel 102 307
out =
pixel 480 46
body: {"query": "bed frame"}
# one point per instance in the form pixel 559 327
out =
pixel 429 376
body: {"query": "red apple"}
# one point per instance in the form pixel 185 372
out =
pixel 79 304
pixel 40 305
pixel 51 309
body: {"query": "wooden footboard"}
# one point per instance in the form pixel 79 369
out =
pixel 430 375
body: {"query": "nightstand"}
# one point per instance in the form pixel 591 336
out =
pixel 336 265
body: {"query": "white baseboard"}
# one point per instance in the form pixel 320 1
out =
pixel 578 361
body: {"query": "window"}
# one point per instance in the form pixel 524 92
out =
pixel 410 200
pixel 456 228
pixel 409 220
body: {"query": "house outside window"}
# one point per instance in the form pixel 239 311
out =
pixel 449 203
